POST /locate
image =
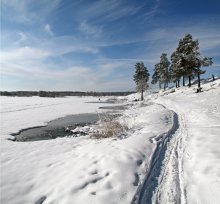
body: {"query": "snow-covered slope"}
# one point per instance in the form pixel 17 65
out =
pixel 170 154
pixel 75 170
pixel 198 151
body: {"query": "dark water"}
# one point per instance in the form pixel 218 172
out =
pixel 56 128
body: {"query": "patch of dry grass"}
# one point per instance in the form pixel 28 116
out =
pixel 109 126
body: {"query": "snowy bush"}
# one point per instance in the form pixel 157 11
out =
pixel 109 126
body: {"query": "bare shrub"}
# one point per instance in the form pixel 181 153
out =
pixel 109 126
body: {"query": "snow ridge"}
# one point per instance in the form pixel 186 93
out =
pixel 164 180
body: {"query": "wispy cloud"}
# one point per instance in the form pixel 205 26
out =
pixel 109 10
pixel 23 53
pixel 152 11
pixel 23 36
pixel 66 44
pixel 29 63
pixel 24 12
pixel 68 78
pixel 97 42
pixel 89 29
pixel 48 29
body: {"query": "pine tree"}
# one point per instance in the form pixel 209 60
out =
pixel 141 78
pixel 188 49
pixel 164 70
pixel 175 73
pixel 161 71
pixel 187 61
pixel 181 65
pixel 155 76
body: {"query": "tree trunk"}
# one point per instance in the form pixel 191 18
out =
pixel 189 81
pixel 183 80
pixel 199 80
pixel 213 77
pixel 142 94
pixel 199 87
pixel 164 86
pixel 178 83
pixel 159 85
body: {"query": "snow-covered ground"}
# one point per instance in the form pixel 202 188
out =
pixel 186 167
pixel 170 155
pixel 198 148
pixel 22 112
pixel 74 170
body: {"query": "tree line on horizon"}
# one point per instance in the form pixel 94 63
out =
pixel 55 94
pixel 186 62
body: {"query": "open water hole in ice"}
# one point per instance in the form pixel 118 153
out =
pixel 56 128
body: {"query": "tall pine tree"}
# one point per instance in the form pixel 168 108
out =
pixel 182 66
pixel 156 76
pixel 161 71
pixel 187 61
pixel 141 78
pixel 175 72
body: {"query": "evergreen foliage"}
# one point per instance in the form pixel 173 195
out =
pixel 161 71
pixel 187 61
pixel 183 59
pixel 156 76
pixel 141 78
pixel 175 73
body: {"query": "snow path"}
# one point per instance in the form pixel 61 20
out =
pixel 198 149
pixel 171 185
pixel 164 180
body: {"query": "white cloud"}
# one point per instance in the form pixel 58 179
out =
pixel 24 11
pixel 23 53
pixel 21 39
pixel 31 61
pixel 28 63
pixel 48 29
pixel 109 10
pixel 66 44
pixel 89 29
pixel 23 36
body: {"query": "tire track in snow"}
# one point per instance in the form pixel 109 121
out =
pixel 164 180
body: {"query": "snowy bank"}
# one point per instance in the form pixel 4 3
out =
pixel 198 147
pixel 169 155
pixel 79 170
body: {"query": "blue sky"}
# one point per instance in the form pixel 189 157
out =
pixel 93 45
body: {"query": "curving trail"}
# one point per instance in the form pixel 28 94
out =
pixel 185 165
pixel 170 183
pixel 164 180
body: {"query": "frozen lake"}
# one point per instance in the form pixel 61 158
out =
pixel 56 128
pixel 78 169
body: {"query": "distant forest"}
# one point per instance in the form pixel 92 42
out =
pixel 54 94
